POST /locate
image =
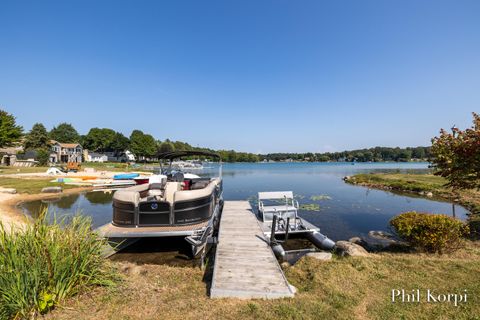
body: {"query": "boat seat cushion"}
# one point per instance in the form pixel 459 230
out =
pixel 171 189
pixel 127 196
pixel 282 208
pixel 199 184
pixel 155 192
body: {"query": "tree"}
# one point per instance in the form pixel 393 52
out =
pixel 142 145
pixel 99 139
pixel 120 143
pixel 457 156
pixel 10 132
pixel 36 138
pixel 43 156
pixel 136 138
pixel 65 133
pixel 166 146
pixel 149 145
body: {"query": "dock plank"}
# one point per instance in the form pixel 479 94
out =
pixel 245 266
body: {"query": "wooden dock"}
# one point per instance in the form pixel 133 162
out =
pixel 245 266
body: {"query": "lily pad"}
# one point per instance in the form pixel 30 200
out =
pixel 310 207
pixel 320 197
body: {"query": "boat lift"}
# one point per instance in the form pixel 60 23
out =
pixel 278 212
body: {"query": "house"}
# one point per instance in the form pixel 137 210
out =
pixel 9 155
pixel 96 157
pixel 125 156
pixel 65 152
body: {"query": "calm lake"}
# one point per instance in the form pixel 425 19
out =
pixel 339 209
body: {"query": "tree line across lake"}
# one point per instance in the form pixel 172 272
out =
pixel 145 146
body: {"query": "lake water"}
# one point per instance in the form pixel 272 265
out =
pixel 343 210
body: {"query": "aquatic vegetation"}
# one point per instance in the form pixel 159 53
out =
pixel 320 197
pixel 310 207
pixel 45 263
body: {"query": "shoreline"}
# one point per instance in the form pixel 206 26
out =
pixel 12 215
pixel 415 184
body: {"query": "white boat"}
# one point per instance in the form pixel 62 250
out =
pixel 278 214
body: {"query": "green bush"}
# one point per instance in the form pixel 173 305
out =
pixel 430 232
pixel 44 263
pixel 43 155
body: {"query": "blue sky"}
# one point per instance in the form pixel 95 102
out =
pixel 257 76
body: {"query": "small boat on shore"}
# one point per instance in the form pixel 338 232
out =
pixel 125 176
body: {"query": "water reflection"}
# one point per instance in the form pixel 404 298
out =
pixel 344 210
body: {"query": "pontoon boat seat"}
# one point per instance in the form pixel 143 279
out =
pixel 157 185
pixel 286 210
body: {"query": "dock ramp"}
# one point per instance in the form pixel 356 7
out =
pixel 245 266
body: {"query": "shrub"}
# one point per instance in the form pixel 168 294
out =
pixel 430 232
pixel 43 155
pixel 44 263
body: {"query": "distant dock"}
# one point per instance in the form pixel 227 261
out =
pixel 245 266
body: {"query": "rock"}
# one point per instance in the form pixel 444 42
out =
pixel 429 194
pixel 358 240
pixel 346 178
pixel 52 190
pixel 8 190
pixel 381 241
pixel 324 256
pixel 346 248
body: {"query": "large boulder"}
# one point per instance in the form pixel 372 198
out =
pixel 381 241
pixel 350 249
pixel 52 190
pixel 8 190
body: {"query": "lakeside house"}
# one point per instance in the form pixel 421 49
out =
pixel 96 157
pixel 108 156
pixel 9 155
pixel 65 152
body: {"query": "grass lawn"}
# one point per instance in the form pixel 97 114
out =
pixel 13 170
pixel 344 288
pixel 31 186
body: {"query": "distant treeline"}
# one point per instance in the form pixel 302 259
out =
pixel 376 154
pixel 146 147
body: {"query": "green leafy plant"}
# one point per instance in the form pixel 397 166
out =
pixel 456 156
pixel 43 264
pixel 430 232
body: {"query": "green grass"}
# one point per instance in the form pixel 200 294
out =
pixel 344 288
pixel 42 265
pixel 13 170
pixel 31 186
pixel 404 182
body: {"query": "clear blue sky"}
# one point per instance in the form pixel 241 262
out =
pixel 258 76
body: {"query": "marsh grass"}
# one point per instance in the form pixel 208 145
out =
pixel 44 263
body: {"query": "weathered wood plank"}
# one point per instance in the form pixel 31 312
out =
pixel 245 266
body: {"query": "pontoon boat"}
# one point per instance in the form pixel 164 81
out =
pixel 173 203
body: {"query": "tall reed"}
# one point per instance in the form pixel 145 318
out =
pixel 46 262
